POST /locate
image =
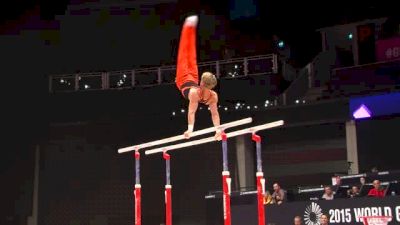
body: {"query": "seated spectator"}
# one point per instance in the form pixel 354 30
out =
pixel 279 195
pixel 268 198
pixel 362 181
pixel 323 220
pixel 377 191
pixel 354 192
pixel 329 194
pixel 338 190
pixel 298 220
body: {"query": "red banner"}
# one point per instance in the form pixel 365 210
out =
pixel 388 49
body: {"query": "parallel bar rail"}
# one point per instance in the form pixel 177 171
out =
pixel 211 139
pixel 182 137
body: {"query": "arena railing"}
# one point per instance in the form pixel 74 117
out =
pixel 125 79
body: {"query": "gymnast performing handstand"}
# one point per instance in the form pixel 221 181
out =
pixel 187 78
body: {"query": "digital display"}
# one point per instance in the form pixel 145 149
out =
pixel 377 105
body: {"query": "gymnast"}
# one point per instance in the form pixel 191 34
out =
pixel 187 79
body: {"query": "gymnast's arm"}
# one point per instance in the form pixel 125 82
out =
pixel 215 115
pixel 191 116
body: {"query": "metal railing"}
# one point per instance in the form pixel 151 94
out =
pixel 125 79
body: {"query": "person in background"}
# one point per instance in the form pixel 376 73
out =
pixel 323 220
pixel 353 192
pixel 329 194
pixel 279 195
pixel 377 191
pixel 297 220
pixel 362 181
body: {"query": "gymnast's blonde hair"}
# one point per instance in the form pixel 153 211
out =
pixel 208 80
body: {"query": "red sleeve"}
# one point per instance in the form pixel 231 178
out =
pixel 372 192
